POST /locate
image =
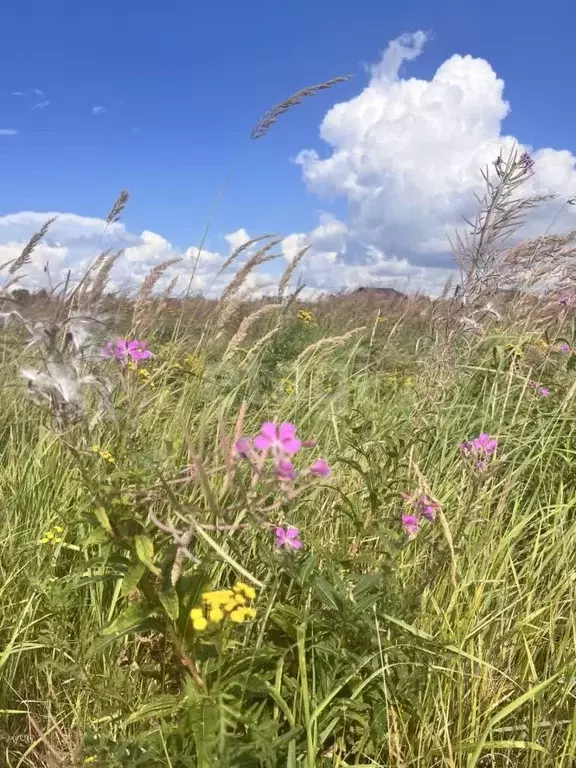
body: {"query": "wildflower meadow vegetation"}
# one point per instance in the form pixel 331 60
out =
pixel 275 533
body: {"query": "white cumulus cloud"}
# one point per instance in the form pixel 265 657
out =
pixel 406 154
pixel 8 131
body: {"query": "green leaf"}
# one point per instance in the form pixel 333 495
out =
pixel 145 553
pixel 132 577
pixel 408 627
pixel 169 600
pixel 161 706
pixel 325 592
pixel 102 517
pixel 132 619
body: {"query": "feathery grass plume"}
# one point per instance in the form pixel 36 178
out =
pixel 152 278
pixel 241 248
pixel 289 271
pixel 118 207
pixel 231 292
pixel 500 214
pixel 102 269
pixel 330 342
pixel 245 326
pixel 28 249
pixel 142 302
pixel 270 117
pixel 260 344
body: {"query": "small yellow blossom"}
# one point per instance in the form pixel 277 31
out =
pixel 238 615
pixel 288 386
pixel 199 624
pixel 49 537
pixel 105 455
pixel 196 613
pixel 244 589
pixel 305 316
pixel 409 382
pixel 216 615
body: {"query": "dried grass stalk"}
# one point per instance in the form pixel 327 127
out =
pixel 331 342
pixel 270 117
pixel 245 326
pixel 30 246
pixel 289 271
pixel 118 207
pixel 102 268
pixel 241 248
pixel 231 292
pixel 152 278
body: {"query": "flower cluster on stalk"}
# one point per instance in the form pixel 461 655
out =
pixel 422 508
pixel 480 450
pixel 222 605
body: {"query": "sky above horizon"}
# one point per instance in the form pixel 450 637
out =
pixel 373 174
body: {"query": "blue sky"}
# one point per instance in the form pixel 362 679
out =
pixel 182 83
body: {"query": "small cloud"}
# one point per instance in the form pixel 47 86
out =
pixel 18 93
pixel 136 130
pixel 98 110
pixel 8 131
pixel 41 104
pixel 38 93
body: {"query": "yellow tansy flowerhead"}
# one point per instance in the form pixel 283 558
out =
pixel 196 613
pixel 199 624
pixel 216 615
pixel 305 316
pixel 244 589
pixel 238 615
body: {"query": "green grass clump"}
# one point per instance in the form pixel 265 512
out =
pixel 453 648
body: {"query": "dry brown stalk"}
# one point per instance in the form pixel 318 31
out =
pixel 231 295
pixel 272 115
pixel 152 278
pixel 118 207
pixel 332 341
pixel 28 249
pixel 245 326
pixel 289 271
pixel 102 268
pixel 241 248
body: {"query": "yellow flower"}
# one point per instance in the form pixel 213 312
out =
pixel 245 589
pixel 238 616
pixel 305 316
pixel 230 606
pixel 216 615
pixel 58 529
pixel 199 624
pixel 288 386
pixel 196 613
pixel 250 613
pixel 409 382
pixel 217 598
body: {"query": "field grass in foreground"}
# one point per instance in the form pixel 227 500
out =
pixel 370 648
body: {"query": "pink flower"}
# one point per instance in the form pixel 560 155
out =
pixel 288 538
pixel 243 447
pixel 543 392
pixel 320 468
pixel 411 525
pixel 427 508
pixel 285 471
pixel 122 349
pixel 564 347
pixel 279 438
pixel 483 445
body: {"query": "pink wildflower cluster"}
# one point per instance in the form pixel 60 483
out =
pixel 280 443
pixel 481 449
pixel 423 507
pixel 540 391
pixel 126 351
pixel 564 347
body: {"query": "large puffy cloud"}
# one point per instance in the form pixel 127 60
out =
pixel 406 155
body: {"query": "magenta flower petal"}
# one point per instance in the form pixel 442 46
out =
pixel 411 525
pixel 288 538
pixel 285 470
pixel 320 468
pixel 291 445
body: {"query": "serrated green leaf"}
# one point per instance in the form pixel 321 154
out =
pixel 170 603
pixel 325 592
pixel 161 706
pixel 145 552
